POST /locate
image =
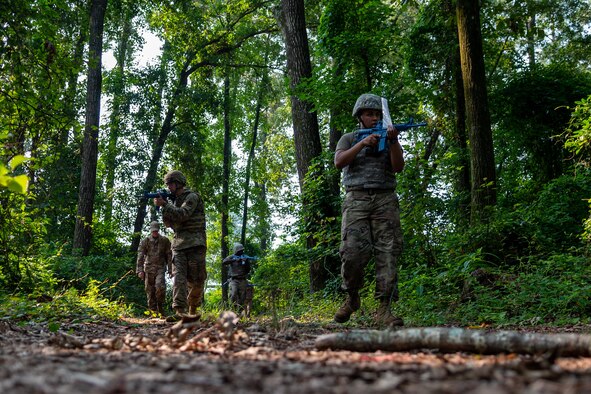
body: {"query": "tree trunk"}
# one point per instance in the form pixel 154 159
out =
pixel 165 130
pixel 299 67
pixel 531 33
pixel 251 153
pixel 263 222
pixel 83 229
pixel 72 90
pixel 463 180
pixel 483 188
pixel 291 18
pixel 120 107
pixel 446 339
pixel 226 184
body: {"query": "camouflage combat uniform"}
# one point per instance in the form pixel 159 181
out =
pixel 370 212
pixel 370 222
pixel 239 270
pixel 154 258
pixel 186 216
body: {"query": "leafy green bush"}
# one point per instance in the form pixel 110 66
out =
pixel 282 278
pixel 555 290
pixel 70 305
pixel 115 274
pixel 21 235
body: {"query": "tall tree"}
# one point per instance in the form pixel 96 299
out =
pixel 299 67
pixel 482 163
pixel 251 153
pixel 197 43
pixel 308 148
pixel 226 183
pixel 83 230
pixel 124 13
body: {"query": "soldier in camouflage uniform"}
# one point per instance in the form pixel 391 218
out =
pixel 239 269
pixel 154 258
pixel 186 216
pixel 371 217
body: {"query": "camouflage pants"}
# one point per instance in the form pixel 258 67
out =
pixel 188 268
pixel 371 227
pixel 238 292
pixel 155 286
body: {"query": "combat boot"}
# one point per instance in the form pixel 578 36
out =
pixel 351 304
pixel 193 311
pixel 178 315
pixel 385 318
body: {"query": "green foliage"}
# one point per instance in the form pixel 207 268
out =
pixel 578 134
pixel 548 222
pixel 21 234
pixel 578 142
pixel 531 110
pixel 14 183
pixel 320 214
pixel 70 305
pixel 282 277
pixel 115 275
pixel 555 290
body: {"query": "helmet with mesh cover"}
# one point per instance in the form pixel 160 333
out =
pixel 175 176
pixel 367 101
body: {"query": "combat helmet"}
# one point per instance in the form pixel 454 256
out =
pixel 154 226
pixel 175 176
pixel 238 247
pixel 367 101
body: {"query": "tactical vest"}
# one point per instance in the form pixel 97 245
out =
pixel 369 171
pixel 189 227
pixel 239 267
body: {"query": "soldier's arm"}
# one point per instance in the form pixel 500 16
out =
pixel 172 213
pixel 141 256
pixel 168 256
pixel 347 149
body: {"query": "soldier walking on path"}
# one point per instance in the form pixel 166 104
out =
pixel 371 217
pixel 239 269
pixel 153 260
pixel 186 216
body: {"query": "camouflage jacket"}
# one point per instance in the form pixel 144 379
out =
pixel 186 216
pixel 154 254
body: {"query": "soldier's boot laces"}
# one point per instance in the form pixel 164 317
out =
pixel 384 317
pixel 351 304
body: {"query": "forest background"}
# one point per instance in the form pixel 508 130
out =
pixel 247 99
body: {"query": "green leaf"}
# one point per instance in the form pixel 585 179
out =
pixel 18 184
pixel 16 161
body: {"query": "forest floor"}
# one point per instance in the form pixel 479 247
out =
pixel 151 356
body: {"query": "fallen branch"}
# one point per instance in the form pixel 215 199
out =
pixel 458 340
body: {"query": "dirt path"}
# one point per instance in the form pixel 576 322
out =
pixel 149 356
